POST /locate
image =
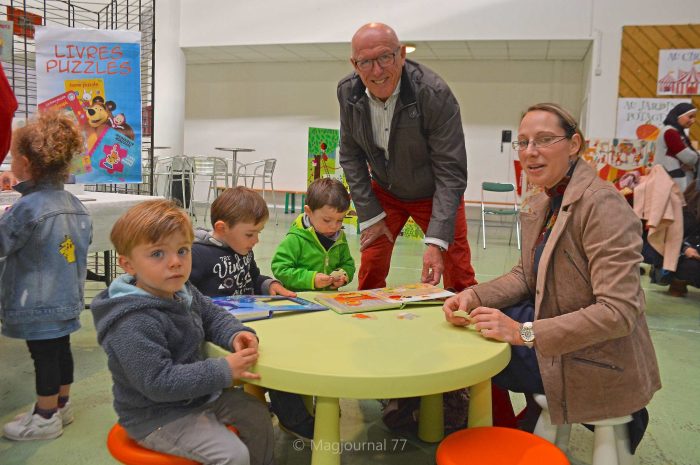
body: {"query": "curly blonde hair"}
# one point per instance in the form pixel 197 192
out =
pixel 49 141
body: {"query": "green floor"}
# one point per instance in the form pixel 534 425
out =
pixel 673 436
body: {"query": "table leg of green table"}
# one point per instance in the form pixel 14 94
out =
pixel 480 404
pixel 309 404
pixel 431 426
pixel 326 446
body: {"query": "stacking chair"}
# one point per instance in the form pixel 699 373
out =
pixel 213 173
pixel 611 444
pixel 127 451
pixel 173 178
pixel 510 210
pixel 493 445
pixel 262 170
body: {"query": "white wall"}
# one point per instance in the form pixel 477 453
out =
pixel 169 93
pixel 269 106
pixel 225 22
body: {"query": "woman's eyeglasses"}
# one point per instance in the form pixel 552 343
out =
pixel 537 142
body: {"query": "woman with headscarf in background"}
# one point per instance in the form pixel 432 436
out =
pixel 673 149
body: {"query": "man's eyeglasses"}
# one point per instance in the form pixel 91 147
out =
pixel 385 60
pixel 537 142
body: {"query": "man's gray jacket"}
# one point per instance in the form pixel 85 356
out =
pixel 427 156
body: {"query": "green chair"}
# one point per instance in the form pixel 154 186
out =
pixel 510 208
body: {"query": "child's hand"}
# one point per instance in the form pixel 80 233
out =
pixel 277 288
pixel 240 362
pixel 322 281
pixel 339 281
pixel 244 340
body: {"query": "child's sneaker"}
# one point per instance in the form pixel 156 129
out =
pixel 66 412
pixel 31 426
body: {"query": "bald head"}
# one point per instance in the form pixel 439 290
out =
pixel 373 34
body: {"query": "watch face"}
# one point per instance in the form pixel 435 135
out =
pixel 527 334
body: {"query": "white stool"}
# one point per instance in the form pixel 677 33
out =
pixel 611 445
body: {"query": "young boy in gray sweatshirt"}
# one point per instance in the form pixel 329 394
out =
pixel 152 323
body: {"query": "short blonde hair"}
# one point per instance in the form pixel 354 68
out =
pixel 239 205
pixel 49 141
pixel 147 223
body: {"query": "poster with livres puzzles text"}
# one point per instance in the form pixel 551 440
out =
pixel 94 76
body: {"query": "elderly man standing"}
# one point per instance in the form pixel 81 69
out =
pixel 402 150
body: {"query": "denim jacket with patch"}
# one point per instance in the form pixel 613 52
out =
pixel 44 239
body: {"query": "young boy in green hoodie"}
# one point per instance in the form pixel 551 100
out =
pixel 315 254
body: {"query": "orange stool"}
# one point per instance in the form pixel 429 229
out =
pixel 492 445
pixel 129 452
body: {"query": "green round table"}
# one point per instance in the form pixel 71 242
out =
pixel 334 356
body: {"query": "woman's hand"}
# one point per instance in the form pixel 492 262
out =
pixel 494 324
pixel 462 302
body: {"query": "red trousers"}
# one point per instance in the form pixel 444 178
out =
pixel 376 258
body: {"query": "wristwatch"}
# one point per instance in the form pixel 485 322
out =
pixel 527 334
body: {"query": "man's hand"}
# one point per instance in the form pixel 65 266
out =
pixel 373 233
pixel 433 265
pixel 244 340
pixel 277 288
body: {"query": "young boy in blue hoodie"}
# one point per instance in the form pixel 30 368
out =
pixel 223 264
pixel 152 323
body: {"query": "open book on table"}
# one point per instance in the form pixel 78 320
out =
pixel 386 298
pixel 259 307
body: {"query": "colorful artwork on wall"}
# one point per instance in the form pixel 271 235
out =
pixel 24 21
pixel 322 162
pixel 615 157
pixel 643 118
pixel 679 72
pixel 6 41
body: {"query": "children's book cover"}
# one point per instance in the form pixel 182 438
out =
pixel 69 104
pixel 259 307
pixel 383 299
pixel 86 90
pixel 114 153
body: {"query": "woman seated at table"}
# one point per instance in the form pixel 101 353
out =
pixel 573 307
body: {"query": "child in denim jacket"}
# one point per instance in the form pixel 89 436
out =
pixel 44 239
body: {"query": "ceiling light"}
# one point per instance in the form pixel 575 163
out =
pixel 410 48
